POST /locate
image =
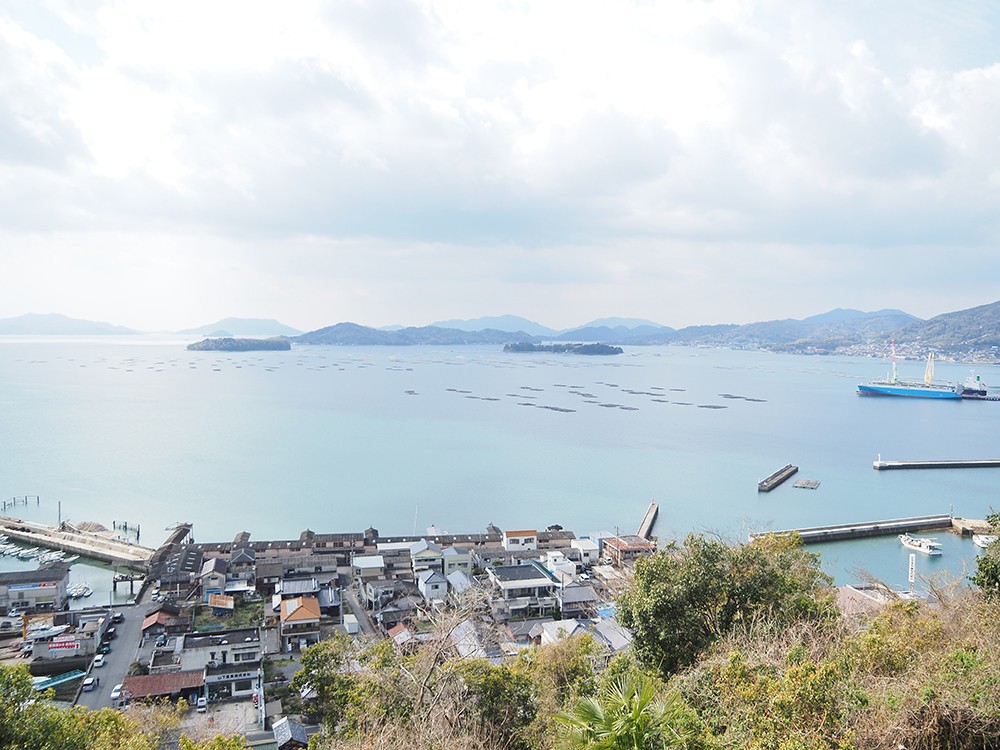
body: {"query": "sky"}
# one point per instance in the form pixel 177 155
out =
pixel 166 165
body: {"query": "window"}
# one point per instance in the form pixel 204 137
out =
pixel 243 686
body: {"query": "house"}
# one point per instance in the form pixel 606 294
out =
pixel 433 586
pixel 622 550
pixel 463 589
pixel 230 659
pixel 163 622
pixel 401 609
pixel 213 576
pixel 589 550
pixel 456 559
pixel 289 734
pixel 169 685
pixel 577 600
pixel 520 540
pixel 367 567
pixel 299 620
pixel 613 635
pixel 43 589
pixel 522 589
pixel 547 633
pixel 425 555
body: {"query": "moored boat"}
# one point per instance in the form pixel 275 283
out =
pixel 929 388
pixel 920 544
pixel 984 540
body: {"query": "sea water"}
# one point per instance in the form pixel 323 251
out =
pixel 139 430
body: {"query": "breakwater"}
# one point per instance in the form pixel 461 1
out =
pixel 839 532
pixel 648 520
pixel 68 538
pixel 973 463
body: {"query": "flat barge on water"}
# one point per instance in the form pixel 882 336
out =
pixel 769 483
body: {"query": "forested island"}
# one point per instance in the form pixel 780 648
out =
pixel 229 344
pixel 600 349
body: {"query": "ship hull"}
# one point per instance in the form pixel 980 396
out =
pixel 907 391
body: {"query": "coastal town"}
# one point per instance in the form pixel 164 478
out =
pixel 221 624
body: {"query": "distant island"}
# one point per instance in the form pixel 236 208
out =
pixel 526 346
pixel 228 344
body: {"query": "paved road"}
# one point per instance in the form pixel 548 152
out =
pixel 123 652
pixel 364 620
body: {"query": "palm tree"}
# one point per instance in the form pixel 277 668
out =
pixel 626 715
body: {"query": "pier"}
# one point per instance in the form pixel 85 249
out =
pixel 68 538
pixel 973 463
pixel 769 483
pixel 646 527
pixel 839 532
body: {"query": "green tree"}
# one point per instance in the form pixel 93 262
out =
pixel 987 575
pixel 28 719
pixel 219 742
pixel 324 669
pixel 627 714
pixel 684 598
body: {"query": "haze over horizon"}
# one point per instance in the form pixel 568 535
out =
pixel 405 163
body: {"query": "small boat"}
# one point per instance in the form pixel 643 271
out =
pixel 984 540
pixel 920 544
pixel 79 590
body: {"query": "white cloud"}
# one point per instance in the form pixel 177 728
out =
pixel 412 161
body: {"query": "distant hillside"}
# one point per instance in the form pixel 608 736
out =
pixel 508 323
pixel 618 335
pixel 53 324
pixel 971 335
pixel 229 327
pixel 354 334
pixel 976 329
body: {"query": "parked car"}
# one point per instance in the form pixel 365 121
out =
pixel 116 693
pixel 110 634
pixel 161 640
pixel 90 683
pixel 6 625
pixel 104 648
pixel 202 704
pixel 117 617
pixel 99 660
pixel 279 678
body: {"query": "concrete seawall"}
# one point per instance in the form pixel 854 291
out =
pixel 67 538
pixel 813 534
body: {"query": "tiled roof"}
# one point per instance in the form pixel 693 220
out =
pixel 300 609
pixel 167 683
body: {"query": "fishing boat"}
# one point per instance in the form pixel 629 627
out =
pixel 893 386
pixel 984 540
pixel 920 544
pixel 79 590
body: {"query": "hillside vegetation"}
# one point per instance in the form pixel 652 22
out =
pixel 736 646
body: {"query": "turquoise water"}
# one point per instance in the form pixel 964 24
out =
pixel 340 438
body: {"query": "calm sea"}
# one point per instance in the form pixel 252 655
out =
pixel 138 429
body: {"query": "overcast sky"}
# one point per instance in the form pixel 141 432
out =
pixel 164 165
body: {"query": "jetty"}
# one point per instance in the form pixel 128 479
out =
pixel 646 527
pixel 770 482
pixel 973 463
pixel 839 532
pixel 68 538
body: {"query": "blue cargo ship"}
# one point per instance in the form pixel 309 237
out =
pixel 892 386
